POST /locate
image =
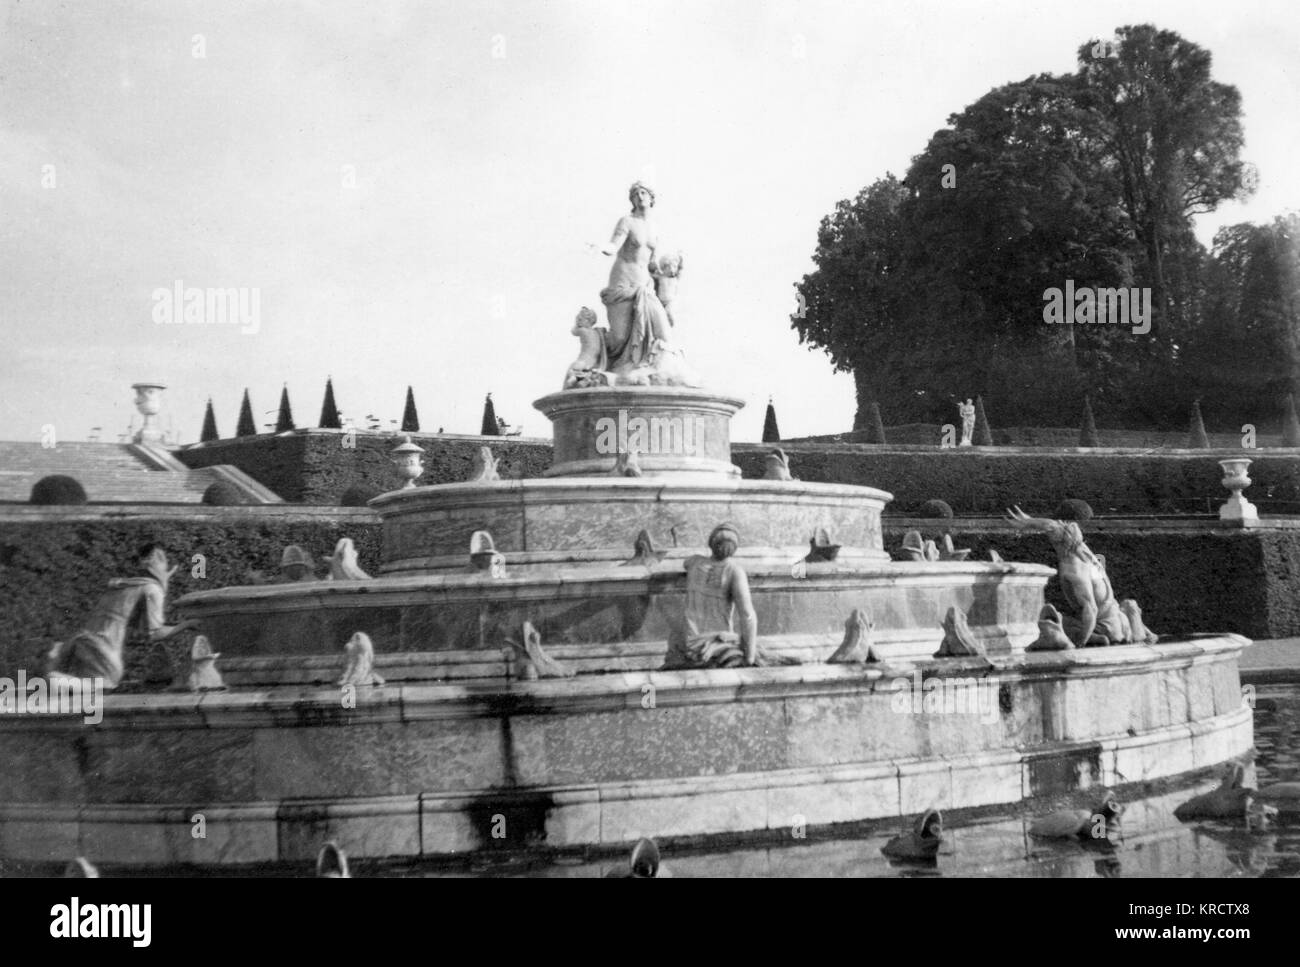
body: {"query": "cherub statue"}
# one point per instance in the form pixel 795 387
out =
pixel 666 268
pixel 1100 620
pixel 589 369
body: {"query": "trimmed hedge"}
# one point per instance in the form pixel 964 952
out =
pixel 1186 580
pixel 928 434
pixel 57 489
pixel 53 572
pixel 359 495
pixel 935 508
pixel 223 494
pixel 1071 509
pixel 978 482
pixel 314 467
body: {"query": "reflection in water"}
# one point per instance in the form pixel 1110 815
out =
pixel 1149 841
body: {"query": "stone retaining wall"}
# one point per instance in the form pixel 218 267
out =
pixel 428 769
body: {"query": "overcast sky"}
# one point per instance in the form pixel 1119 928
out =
pixel 415 188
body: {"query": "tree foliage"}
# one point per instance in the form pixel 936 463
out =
pixel 931 289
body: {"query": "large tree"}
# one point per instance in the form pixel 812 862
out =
pixel 1174 138
pixel 1010 200
pixel 1245 356
pixel 933 288
pixel 846 305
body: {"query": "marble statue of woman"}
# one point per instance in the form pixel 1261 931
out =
pixel 638 322
pixel 967 411
pixel 717 599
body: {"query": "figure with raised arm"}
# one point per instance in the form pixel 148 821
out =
pixel 1099 617
pixel 638 324
pixel 97 650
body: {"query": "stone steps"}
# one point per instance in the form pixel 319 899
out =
pixel 109 473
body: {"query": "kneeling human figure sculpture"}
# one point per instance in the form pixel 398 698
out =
pixel 717 590
pixel 97 650
pixel 1100 618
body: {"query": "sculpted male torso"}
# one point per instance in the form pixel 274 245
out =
pixel 1084 582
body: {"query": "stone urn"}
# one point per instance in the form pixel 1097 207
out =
pixel 1235 479
pixel 408 459
pixel 148 401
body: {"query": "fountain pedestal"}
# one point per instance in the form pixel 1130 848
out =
pixel 675 430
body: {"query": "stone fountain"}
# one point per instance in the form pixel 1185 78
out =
pixel 519 629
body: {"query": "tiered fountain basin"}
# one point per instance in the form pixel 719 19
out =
pixel 457 753
pixel 568 545
pixel 599 618
pixel 588 520
pixel 436 769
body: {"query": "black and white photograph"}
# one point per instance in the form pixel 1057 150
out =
pixel 730 440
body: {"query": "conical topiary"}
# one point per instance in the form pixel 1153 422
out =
pixel 771 432
pixel 490 426
pixel 875 426
pixel 209 432
pixel 1196 438
pixel 410 419
pixel 983 436
pixel 1088 432
pixel 1290 424
pixel 284 421
pixel 329 413
pixel 246 425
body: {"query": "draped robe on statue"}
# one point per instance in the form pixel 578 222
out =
pixel 646 316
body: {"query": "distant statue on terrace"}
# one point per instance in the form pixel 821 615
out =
pixel 97 650
pixel 717 594
pixel 1099 618
pixel 967 412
